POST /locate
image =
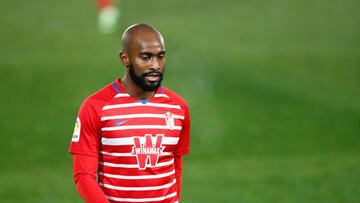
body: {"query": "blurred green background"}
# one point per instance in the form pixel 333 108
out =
pixel 273 88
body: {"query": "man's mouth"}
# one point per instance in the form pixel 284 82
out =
pixel 153 77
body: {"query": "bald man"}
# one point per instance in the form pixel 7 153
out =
pixel 130 136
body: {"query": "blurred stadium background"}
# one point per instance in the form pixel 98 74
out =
pixel 273 88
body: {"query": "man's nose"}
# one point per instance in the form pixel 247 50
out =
pixel 155 64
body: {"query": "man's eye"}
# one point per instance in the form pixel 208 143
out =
pixel 161 56
pixel 145 57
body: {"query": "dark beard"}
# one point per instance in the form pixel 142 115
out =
pixel 140 80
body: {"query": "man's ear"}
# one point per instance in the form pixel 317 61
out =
pixel 124 59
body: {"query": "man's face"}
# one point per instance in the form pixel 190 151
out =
pixel 147 63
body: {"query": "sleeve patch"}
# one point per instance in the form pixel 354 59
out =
pixel 77 128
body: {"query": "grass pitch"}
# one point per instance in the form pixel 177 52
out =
pixel 273 89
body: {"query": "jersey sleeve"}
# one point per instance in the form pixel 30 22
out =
pixel 86 137
pixel 85 171
pixel 184 141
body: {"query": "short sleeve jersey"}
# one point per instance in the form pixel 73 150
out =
pixel 135 142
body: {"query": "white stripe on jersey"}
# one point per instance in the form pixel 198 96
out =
pixel 161 95
pixel 122 95
pixel 139 188
pixel 127 95
pixel 142 199
pixel 136 104
pixel 159 164
pixel 142 115
pixel 161 175
pixel 130 141
pixel 129 154
pixel 133 127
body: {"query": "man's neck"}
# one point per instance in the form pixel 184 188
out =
pixel 134 91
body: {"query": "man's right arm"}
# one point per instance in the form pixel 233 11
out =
pixel 84 148
pixel 85 169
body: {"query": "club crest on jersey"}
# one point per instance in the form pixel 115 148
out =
pixel 147 150
pixel 77 128
pixel 169 118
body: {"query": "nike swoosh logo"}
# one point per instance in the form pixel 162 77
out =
pixel 121 122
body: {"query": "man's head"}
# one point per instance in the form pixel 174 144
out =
pixel 143 54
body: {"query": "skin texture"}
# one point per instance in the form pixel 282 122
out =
pixel 143 53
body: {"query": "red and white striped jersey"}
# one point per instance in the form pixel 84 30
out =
pixel 135 142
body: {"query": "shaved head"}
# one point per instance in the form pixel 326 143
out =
pixel 138 33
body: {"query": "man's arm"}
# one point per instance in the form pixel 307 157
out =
pixel 85 169
pixel 178 172
pixel 182 148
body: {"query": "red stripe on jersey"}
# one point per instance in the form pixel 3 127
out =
pixel 139 132
pixel 137 183
pixel 131 159
pixel 138 194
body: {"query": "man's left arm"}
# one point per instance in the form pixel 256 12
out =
pixel 182 149
pixel 178 172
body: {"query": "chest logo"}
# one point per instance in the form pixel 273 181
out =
pixel 147 150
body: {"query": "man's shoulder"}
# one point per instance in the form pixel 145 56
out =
pixel 101 97
pixel 176 97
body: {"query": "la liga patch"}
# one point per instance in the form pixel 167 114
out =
pixel 77 128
